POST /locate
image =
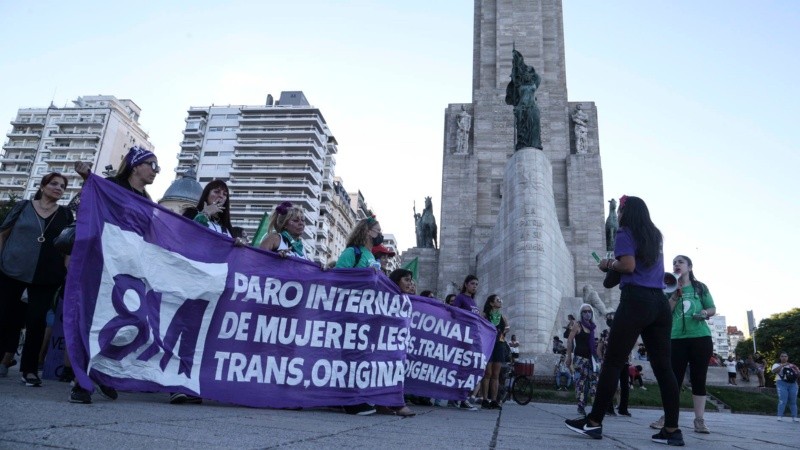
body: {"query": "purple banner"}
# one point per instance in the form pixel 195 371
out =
pixel 447 350
pixel 155 302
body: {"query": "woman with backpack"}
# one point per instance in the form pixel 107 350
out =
pixel 786 375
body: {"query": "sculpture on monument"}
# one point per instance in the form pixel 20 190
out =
pixel 521 93
pixel 591 297
pixel 463 124
pixel 611 225
pixel 581 123
pixel 426 226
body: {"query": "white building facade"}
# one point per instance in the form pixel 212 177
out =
pixel 719 335
pixel 268 154
pixel 98 129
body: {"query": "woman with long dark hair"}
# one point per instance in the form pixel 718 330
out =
pixel 28 260
pixel 643 310
pixel 466 298
pixel 213 209
pixel 691 343
pixel 491 378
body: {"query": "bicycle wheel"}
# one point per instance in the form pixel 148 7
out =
pixel 522 390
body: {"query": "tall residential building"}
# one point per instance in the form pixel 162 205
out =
pixel 267 154
pixel 97 129
pixel 719 335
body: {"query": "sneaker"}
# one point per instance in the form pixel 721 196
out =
pixel 361 409
pixel 465 404
pixel 780 419
pixel 582 411
pixel 494 405
pixel 700 426
pixel 794 419
pixel 107 392
pixel 67 375
pixel 643 388
pixel 665 437
pixel 31 380
pixel 658 424
pixel 611 412
pixel 581 426
pixel 485 404
pixel 79 395
pixel 625 413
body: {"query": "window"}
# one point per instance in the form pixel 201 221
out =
pixel 214 128
pixel 232 116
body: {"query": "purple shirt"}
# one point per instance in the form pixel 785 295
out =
pixel 466 302
pixel 652 277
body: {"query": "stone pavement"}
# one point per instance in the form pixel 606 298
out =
pixel 34 418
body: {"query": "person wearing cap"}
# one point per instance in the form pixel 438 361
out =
pixel 383 253
pixel 138 169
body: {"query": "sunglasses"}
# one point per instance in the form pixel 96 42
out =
pixel 154 165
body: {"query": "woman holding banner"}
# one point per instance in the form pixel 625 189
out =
pixel 213 210
pixel 489 384
pixel 286 224
pixel 358 253
pixel 28 260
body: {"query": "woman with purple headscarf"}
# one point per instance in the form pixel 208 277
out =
pixel 138 169
pixel 581 343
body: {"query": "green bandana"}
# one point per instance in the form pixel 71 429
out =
pixel 295 244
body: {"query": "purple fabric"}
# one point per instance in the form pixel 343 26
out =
pixel 652 277
pixel 155 303
pixel 466 302
pixel 54 360
pixel 448 350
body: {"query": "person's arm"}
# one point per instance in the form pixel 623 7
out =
pixel 623 264
pixel 776 368
pixel 347 259
pixel 82 168
pixel 271 243
pixel 571 342
pixel 600 349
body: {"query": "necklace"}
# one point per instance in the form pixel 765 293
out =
pixel 40 239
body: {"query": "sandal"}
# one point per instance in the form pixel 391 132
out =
pixel 384 410
pixel 404 411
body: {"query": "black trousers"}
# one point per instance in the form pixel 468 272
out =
pixel 14 313
pixel 646 312
pixel 694 352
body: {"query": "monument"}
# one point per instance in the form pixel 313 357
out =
pixel 522 206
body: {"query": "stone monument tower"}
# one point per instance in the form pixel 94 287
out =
pixel 526 221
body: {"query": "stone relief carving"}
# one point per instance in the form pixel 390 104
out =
pixel 463 125
pixel 426 229
pixel 580 121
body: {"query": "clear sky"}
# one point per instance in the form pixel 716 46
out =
pixel 697 102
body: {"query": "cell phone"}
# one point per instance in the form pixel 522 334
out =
pixel 596 258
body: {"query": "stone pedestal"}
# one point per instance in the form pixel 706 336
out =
pixel 427 266
pixel 525 259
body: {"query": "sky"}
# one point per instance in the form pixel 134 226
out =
pixel 697 102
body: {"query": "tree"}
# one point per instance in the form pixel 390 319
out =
pixel 774 335
pixel 6 206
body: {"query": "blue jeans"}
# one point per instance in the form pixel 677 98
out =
pixel 787 392
pixel 567 376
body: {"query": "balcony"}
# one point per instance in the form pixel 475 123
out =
pixel 22 145
pixel 16 171
pixel 75 120
pixel 243 174
pixel 93 135
pixel 28 121
pixel 25 134
pixel 13 183
pixel 73 146
pixel 240 157
pixel 18 157
pixel 193 132
pixel 189 145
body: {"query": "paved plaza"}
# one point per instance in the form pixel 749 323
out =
pixel 42 418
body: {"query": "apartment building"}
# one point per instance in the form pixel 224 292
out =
pixel 719 335
pixel 268 154
pixel 98 129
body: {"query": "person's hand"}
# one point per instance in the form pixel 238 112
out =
pixel 82 168
pixel 212 209
pixel 239 242
pixel 604 264
pixel 568 362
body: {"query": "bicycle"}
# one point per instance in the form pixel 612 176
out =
pixel 517 382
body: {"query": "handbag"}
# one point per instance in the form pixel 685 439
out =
pixel 65 240
pixel 612 279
